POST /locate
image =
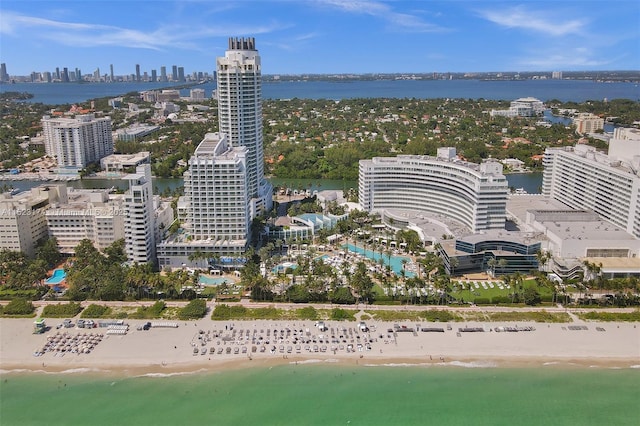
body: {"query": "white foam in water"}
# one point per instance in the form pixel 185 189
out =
pixel 475 364
pixel 178 373
pixel 635 366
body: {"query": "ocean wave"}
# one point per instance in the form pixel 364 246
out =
pixel 472 364
pixel 314 361
pixel 635 366
pixel 177 373
pixel 401 364
pixel 40 371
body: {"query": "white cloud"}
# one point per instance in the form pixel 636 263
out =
pixel 523 18
pixel 397 20
pixel 89 35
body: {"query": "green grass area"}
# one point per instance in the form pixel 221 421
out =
pixel 611 316
pixel 512 316
pixel 433 315
pixel 471 293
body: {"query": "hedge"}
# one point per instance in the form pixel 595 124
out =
pixel 18 307
pixel 70 309
pixel 96 311
pixel 195 309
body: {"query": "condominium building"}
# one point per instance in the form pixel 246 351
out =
pixel 474 195
pixel 586 122
pixel 76 142
pixel 86 214
pixel 139 224
pixel 215 205
pixel 22 217
pixel 607 184
pixel 239 92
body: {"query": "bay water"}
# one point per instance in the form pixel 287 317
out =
pixel 545 90
pixel 321 394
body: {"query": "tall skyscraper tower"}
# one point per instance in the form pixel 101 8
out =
pixel 111 75
pixel 3 72
pixel 174 73
pixel 138 73
pixel 163 74
pixel 239 92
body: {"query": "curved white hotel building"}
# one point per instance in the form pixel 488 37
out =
pixel 474 195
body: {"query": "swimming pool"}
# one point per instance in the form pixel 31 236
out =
pixel 205 280
pixel 281 268
pixel 58 276
pixel 395 261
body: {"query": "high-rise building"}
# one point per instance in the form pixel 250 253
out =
pixel 22 217
pixel 586 122
pixel 174 73
pixel 138 73
pixel 139 223
pixel 239 91
pixel 215 204
pixel 154 76
pixel 474 195
pixel 3 72
pixel 180 73
pixel 76 142
pixel 607 184
pixel 111 73
pixel 65 75
pixel 163 74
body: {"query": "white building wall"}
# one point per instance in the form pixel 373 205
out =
pixel 582 178
pixel 455 189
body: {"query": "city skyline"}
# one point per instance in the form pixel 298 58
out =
pixel 331 36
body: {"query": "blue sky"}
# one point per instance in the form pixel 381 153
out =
pixel 322 36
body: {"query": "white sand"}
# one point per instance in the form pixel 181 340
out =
pixel 171 349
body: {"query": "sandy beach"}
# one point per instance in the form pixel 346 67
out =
pixel 211 345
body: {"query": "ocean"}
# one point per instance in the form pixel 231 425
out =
pixel 545 90
pixel 322 394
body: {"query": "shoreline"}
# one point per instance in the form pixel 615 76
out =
pixel 170 351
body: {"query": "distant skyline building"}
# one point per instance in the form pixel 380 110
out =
pixel 3 72
pixel 239 92
pixel 111 73
pixel 174 72
pixel 138 73
pixel 154 76
pixel 163 74
pixel 181 74
pixel 76 142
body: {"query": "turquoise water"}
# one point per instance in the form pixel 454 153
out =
pixel 58 276
pixel 328 395
pixel 203 279
pixel 395 261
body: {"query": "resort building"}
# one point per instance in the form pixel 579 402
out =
pixel 215 206
pixel 523 107
pixel 494 252
pixel 76 142
pixel 608 184
pixel 239 92
pixel 86 214
pixel 586 122
pixel 573 236
pixel 22 217
pixel 139 223
pixel 474 195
